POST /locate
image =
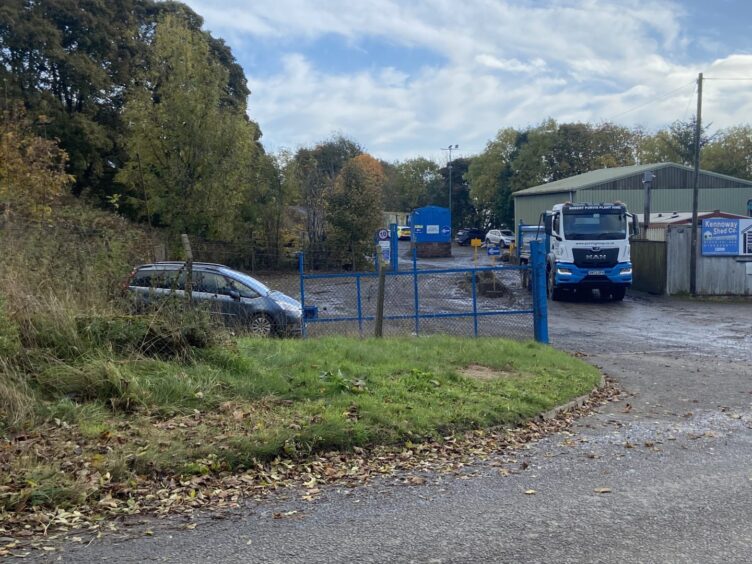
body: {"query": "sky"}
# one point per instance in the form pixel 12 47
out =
pixel 406 78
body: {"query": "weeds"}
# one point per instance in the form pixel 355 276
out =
pixel 94 399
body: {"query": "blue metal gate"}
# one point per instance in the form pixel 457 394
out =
pixel 421 301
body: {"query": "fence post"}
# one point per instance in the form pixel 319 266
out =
pixel 360 306
pixel 301 270
pixel 379 332
pixel 475 302
pixel 394 247
pixel 540 298
pixel 415 288
pixel 188 267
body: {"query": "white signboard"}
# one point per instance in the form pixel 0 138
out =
pixel 432 229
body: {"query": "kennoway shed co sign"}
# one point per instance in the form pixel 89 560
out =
pixel 727 237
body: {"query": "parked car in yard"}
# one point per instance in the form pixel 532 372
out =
pixel 500 237
pixel 239 299
pixel 467 234
pixel 403 232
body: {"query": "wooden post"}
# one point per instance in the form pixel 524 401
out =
pixel 379 331
pixel 695 192
pixel 188 267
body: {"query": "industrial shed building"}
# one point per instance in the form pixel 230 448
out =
pixel 671 191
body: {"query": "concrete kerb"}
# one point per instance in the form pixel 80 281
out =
pixel 571 405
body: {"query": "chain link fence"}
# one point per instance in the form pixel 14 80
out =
pixel 420 300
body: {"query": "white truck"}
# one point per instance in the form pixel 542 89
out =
pixel 588 248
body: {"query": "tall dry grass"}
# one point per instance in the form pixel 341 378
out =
pixel 55 275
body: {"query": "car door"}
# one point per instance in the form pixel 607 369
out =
pixel 212 290
pixel 246 301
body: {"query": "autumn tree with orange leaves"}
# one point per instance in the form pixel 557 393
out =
pixel 32 168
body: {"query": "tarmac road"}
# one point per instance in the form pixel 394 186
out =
pixel 676 456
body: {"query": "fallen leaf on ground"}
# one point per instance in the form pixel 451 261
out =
pixel 602 490
pixel 530 492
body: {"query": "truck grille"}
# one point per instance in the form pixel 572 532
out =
pixel 589 258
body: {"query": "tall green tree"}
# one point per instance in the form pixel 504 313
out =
pixel 730 152
pixel 412 183
pixel 355 205
pixel 192 156
pixel 676 144
pixel 315 170
pixel 73 61
pixel 489 179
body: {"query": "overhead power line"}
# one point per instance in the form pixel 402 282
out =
pixel 729 78
pixel 653 100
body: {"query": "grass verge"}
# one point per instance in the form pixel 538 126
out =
pixel 104 425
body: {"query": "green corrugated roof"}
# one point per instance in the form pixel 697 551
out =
pixel 602 175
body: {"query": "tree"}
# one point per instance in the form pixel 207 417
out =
pixel 675 144
pixel 355 205
pixel 412 184
pixel 488 177
pixel 192 157
pixel 730 152
pixel 32 169
pixel 315 171
pixel 74 62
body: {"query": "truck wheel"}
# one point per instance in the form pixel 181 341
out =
pixel 554 293
pixel 617 294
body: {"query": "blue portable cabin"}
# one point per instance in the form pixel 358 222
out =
pixel 430 224
pixel 431 232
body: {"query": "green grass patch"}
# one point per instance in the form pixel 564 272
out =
pixel 229 408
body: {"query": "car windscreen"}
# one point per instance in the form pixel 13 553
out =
pixel 601 224
pixel 249 281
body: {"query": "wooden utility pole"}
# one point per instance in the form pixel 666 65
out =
pixel 695 192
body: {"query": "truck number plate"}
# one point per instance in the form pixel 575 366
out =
pixel 596 272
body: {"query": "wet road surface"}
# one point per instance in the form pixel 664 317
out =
pixel 676 455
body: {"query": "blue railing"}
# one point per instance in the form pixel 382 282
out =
pixel 537 312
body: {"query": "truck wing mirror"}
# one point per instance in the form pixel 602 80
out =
pixel 548 222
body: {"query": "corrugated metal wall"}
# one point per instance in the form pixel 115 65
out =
pixel 732 200
pixel 672 191
pixel 716 276
pixel 529 208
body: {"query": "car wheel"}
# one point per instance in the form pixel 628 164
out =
pixel 261 325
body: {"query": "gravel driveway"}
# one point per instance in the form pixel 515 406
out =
pixel 673 460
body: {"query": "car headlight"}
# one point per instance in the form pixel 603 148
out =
pixel 626 271
pixel 292 308
pixel 563 271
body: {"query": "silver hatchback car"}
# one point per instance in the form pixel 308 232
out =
pixel 238 299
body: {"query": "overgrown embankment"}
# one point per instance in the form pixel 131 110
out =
pixel 114 412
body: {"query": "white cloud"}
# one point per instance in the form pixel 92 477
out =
pixel 507 63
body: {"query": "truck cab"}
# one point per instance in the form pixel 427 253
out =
pixel 589 249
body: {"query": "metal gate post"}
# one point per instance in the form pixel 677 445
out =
pixel 302 293
pixel 540 299
pixel 415 289
pixel 360 306
pixel 393 247
pixel 475 302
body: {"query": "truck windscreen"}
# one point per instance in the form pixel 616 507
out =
pixel 605 225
